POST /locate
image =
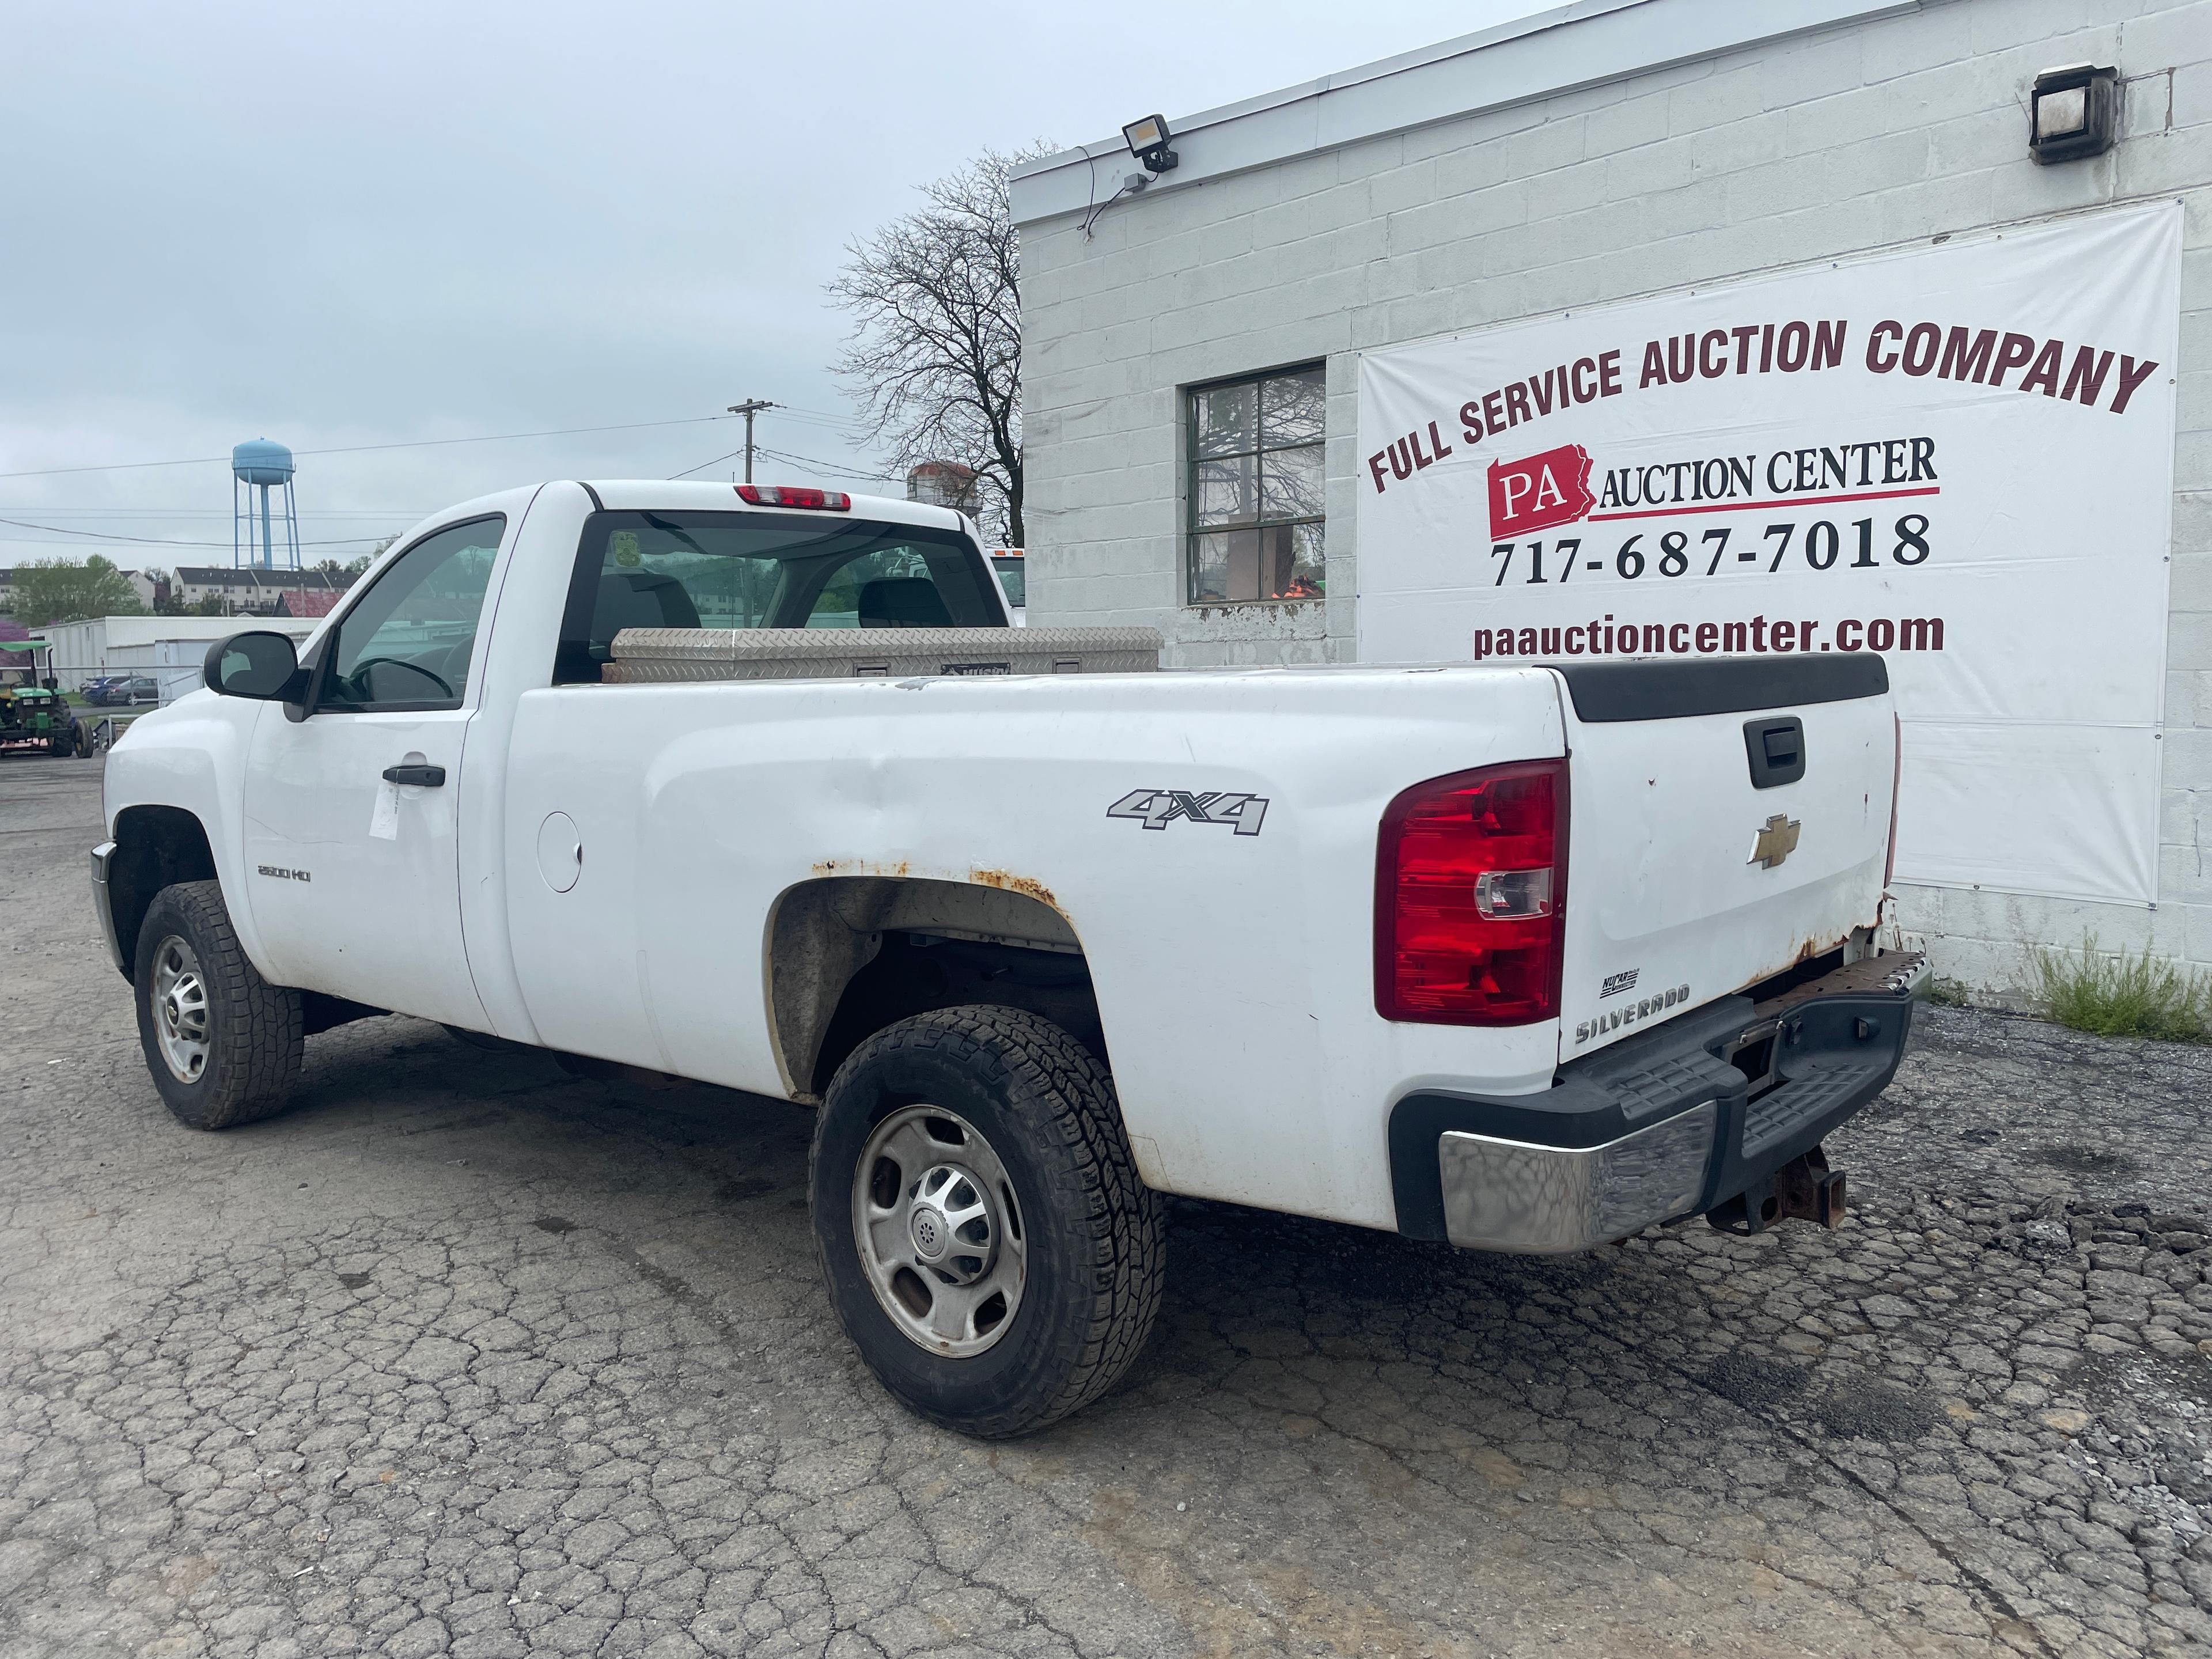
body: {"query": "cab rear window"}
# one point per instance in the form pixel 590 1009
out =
pixel 638 569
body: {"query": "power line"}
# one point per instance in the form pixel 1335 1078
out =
pixel 363 449
pixel 831 467
pixel 752 406
pixel 795 412
pixel 828 467
pixel 703 465
pixel 45 511
pixel 155 541
pixel 827 422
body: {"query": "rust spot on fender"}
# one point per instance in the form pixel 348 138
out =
pixel 860 867
pixel 1028 886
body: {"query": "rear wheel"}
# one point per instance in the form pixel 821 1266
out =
pixel 222 1044
pixel 987 1245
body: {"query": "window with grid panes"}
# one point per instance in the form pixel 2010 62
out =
pixel 1256 488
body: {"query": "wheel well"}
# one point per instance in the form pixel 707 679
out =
pixel 155 847
pixel 849 955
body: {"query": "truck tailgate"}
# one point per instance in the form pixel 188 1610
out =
pixel 1689 877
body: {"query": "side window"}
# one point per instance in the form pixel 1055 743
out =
pixel 1257 526
pixel 406 644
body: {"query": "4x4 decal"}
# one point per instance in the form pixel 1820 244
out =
pixel 1156 809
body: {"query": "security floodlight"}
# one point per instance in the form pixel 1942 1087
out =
pixel 2074 112
pixel 1148 142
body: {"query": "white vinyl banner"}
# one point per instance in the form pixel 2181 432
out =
pixel 1959 456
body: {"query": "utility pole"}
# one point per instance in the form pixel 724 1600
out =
pixel 751 407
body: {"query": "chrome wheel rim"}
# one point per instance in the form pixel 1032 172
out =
pixel 938 1231
pixel 181 1010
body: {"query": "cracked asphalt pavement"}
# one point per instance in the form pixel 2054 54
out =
pixel 462 1355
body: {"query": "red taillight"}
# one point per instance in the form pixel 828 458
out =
pixel 820 500
pixel 1470 898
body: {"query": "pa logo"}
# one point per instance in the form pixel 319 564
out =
pixel 1156 809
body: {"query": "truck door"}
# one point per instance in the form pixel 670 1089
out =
pixel 351 814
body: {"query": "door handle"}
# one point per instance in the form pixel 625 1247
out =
pixel 428 777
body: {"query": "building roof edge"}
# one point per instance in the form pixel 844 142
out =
pixel 1586 43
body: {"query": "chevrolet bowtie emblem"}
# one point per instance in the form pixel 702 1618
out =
pixel 1776 841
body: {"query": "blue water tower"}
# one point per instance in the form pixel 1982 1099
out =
pixel 256 541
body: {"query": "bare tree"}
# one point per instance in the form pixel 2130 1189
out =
pixel 934 359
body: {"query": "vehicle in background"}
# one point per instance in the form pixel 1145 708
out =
pixel 1006 566
pixel 35 716
pixel 1522 958
pixel 123 690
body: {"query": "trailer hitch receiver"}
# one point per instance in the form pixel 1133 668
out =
pixel 1803 1189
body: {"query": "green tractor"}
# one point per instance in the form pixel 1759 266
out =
pixel 34 715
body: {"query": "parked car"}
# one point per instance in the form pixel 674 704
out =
pixel 122 690
pixel 1523 957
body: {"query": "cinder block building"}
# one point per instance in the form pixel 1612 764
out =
pixel 1239 372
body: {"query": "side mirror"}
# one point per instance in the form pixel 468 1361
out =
pixel 261 666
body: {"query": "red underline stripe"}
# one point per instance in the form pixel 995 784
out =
pixel 1753 507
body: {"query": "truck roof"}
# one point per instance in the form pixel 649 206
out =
pixel 707 496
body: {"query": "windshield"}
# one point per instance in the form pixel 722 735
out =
pixel 1010 577
pixel 636 569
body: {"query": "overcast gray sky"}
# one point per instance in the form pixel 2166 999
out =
pixel 396 222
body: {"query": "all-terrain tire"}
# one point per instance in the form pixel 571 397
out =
pixel 1095 1235
pixel 252 1030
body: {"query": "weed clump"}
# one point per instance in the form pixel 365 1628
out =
pixel 2121 995
pixel 1948 992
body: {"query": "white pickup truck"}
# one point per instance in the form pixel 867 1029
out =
pixel 761 789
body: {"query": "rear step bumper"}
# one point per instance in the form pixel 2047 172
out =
pixel 1686 1118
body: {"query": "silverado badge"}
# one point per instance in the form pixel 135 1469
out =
pixel 1776 841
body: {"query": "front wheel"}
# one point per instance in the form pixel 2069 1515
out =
pixel 223 1044
pixel 987 1243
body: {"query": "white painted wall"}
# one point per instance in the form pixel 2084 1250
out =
pixel 1865 134
pixel 79 649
